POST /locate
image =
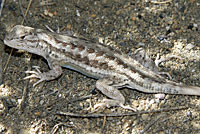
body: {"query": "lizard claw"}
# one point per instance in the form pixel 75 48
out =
pixel 159 60
pixel 99 106
pixel 37 68
pixel 35 74
pixel 105 103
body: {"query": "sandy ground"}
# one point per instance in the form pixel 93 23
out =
pixel 160 27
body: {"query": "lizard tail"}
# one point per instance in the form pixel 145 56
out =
pixel 190 90
pixel 169 87
pixel 176 88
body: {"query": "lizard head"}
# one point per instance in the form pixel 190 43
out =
pixel 22 37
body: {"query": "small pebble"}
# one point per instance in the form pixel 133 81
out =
pixel 159 96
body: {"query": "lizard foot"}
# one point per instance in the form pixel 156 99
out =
pixel 159 60
pixel 110 103
pixel 35 74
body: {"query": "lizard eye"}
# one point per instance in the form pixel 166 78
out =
pixel 22 37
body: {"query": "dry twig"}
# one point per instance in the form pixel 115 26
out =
pixel 119 114
pixel 1 61
pixel 29 5
pixel 1 8
pixel 25 91
pixel 150 124
pixel 161 2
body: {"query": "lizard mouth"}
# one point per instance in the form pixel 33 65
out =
pixel 7 42
pixel 10 43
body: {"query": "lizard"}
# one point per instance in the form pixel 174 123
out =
pixel 110 67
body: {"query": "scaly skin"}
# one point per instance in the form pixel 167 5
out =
pixel 110 67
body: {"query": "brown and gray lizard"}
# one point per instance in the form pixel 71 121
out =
pixel 111 68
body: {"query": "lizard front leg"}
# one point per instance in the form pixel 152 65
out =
pixel 55 72
pixel 109 89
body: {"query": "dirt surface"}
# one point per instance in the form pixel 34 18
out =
pixel 161 27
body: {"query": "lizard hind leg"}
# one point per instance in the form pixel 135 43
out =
pixel 116 98
pixel 143 57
